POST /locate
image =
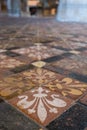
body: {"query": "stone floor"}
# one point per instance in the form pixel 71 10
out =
pixel 43 74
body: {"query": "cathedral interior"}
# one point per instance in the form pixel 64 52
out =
pixel 43 65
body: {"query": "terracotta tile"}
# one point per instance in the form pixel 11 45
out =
pixel 39 76
pixel 42 105
pixel 67 87
pixel 83 100
pixel 14 85
pixel 38 52
pixel 7 62
pixel 72 64
pixel 74 119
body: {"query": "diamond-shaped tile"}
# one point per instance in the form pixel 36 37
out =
pixel 42 105
pixel 39 64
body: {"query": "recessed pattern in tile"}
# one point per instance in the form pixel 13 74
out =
pixel 11 119
pixel 74 119
pixel 41 104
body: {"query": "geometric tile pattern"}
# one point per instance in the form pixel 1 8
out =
pixel 43 74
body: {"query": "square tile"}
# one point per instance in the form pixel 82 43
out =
pixel 74 119
pixel 39 76
pixel 83 100
pixel 14 85
pixel 38 52
pixel 42 105
pixel 67 87
pixel 72 64
pixel 11 119
pixel 7 62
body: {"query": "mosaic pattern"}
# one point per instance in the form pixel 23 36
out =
pixel 41 104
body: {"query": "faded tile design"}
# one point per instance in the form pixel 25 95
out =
pixel 83 100
pixel 74 119
pixel 7 62
pixel 72 65
pixel 41 104
pixel 39 76
pixel 15 85
pixel 39 64
pixel 38 52
pixel 11 119
pixel 67 87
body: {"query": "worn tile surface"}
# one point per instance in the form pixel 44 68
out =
pixel 74 119
pixel 43 72
pixel 11 119
pixel 41 104
pixel 83 100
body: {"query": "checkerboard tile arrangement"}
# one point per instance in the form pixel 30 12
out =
pixel 43 74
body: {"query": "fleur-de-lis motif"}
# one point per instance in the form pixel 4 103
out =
pixel 41 103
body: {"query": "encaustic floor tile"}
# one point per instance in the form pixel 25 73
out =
pixel 74 119
pixel 39 76
pixel 72 65
pixel 14 85
pixel 42 105
pixel 67 87
pixel 7 62
pixel 39 52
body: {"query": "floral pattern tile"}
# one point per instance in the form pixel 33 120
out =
pixel 42 105
pixel 39 76
pixel 39 52
pixel 73 64
pixel 14 85
pixel 7 62
pixel 67 87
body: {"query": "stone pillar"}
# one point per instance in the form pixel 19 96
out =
pixel 72 10
pixel 13 8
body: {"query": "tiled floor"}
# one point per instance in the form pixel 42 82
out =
pixel 43 74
